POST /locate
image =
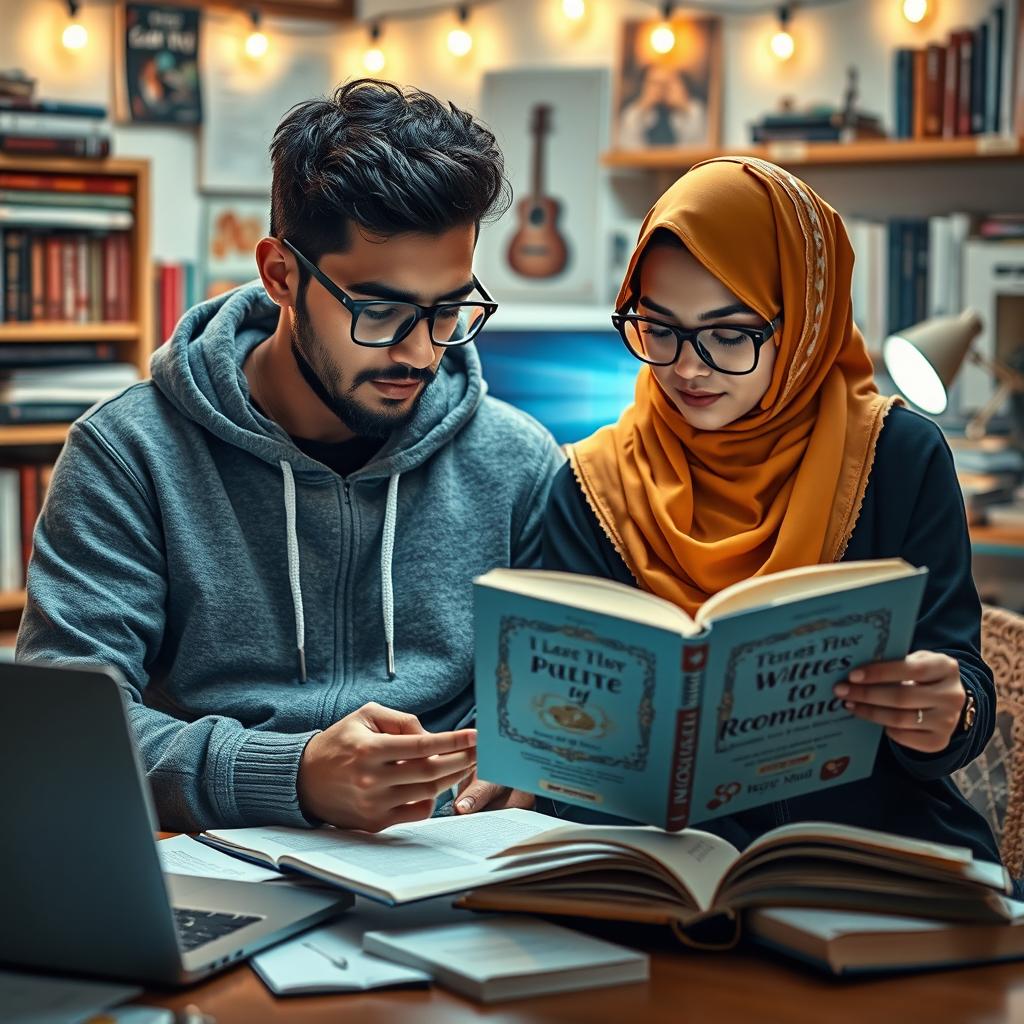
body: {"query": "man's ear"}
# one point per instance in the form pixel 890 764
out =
pixel 278 271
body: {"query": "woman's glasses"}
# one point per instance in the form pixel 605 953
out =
pixel 728 349
pixel 378 323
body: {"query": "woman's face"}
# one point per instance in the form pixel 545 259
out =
pixel 677 289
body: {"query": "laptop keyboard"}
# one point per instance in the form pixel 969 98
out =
pixel 198 927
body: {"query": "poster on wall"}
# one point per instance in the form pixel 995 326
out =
pixel 551 127
pixel 231 229
pixel 671 98
pixel 157 77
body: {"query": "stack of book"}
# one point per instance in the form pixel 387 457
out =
pixel 35 127
pixel 66 253
pixel 16 85
pixel 816 124
pixel 965 84
pixel 60 394
pixel 1002 227
pixel 22 490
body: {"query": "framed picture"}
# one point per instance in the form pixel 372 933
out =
pixel 551 126
pixel 669 99
pixel 157 78
pixel 231 229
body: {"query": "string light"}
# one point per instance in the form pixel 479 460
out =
pixel 373 59
pixel 574 9
pixel 257 44
pixel 75 36
pixel 663 39
pixel 460 42
pixel 915 11
pixel 782 44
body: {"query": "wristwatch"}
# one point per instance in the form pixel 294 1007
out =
pixel 968 713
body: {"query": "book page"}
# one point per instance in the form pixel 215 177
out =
pixel 696 860
pixel 593 594
pixel 797 584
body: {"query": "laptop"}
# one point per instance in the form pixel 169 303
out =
pixel 81 885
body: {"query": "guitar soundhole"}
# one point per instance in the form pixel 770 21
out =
pixel 537 216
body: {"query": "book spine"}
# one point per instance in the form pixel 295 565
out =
pixel 921 271
pixel 979 79
pixel 42 145
pixel 952 89
pixel 95 279
pixel 684 749
pixel 903 114
pixel 65 183
pixel 82 279
pixel 994 65
pixel 52 290
pixel 892 315
pixel 68 278
pixel 109 279
pixel 965 79
pixel 12 274
pixel 25 283
pixel 934 86
pixel 38 278
pixel 908 274
pixel 124 277
pixel 1015 46
pixel 917 105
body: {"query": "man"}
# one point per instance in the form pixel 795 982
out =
pixel 274 538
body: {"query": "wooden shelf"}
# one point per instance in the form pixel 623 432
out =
pixel 997 540
pixel 51 332
pixel 825 154
pixel 12 600
pixel 33 433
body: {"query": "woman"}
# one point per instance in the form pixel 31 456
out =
pixel 758 442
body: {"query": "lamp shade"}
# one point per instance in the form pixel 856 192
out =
pixel 923 360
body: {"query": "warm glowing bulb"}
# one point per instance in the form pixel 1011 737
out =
pixel 75 37
pixel 663 39
pixel 574 9
pixel 783 45
pixel 460 42
pixel 256 45
pixel 373 60
pixel 915 10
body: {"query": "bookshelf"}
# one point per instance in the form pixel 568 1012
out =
pixel 976 150
pixel 133 337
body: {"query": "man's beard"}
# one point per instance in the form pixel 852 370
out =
pixel 327 383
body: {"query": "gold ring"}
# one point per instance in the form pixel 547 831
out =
pixel 920 715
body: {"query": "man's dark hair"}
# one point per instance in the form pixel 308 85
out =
pixel 383 159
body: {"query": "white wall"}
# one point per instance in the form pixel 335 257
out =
pixel 525 33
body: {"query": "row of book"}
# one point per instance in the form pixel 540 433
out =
pixel 39 127
pixel 906 270
pixel 66 277
pixel 59 394
pixel 22 490
pixel 965 84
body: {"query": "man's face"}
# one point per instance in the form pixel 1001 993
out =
pixel 376 390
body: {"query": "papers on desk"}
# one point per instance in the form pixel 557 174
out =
pixel 331 958
pixel 38 999
pixel 182 855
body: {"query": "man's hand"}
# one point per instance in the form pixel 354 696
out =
pixel 378 767
pixel 475 795
pixel 919 699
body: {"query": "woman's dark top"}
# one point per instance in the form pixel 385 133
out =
pixel 913 510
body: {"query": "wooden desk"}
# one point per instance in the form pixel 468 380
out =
pixel 686 987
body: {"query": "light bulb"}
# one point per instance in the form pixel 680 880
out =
pixel 574 9
pixel 663 39
pixel 75 36
pixel 373 60
pixel 256 45
pixel 915 10
pixel 783 45
pixel 460 42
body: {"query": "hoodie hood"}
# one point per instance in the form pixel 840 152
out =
pixel 200 372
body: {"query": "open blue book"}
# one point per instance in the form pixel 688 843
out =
pixel 603 696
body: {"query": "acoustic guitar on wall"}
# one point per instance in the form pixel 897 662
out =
pixel 537 249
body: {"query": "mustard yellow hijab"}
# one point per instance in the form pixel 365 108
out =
pixel 692 511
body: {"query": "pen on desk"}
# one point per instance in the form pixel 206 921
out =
pixel 465 720
pixel 337 961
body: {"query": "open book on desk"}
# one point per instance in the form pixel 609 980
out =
pixel 604 696
pixel 684 878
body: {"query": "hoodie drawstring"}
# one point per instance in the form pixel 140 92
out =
pixel 387 592
pixel 387 550
pixel 293 566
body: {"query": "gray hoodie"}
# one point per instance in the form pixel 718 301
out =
pixel 249 595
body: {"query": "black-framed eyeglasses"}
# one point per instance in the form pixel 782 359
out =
pixel 378 323
pixel 726 348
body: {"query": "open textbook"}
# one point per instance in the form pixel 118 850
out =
pixel 521 860
pixel 601 695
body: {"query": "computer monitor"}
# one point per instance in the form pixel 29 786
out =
pixel 572 381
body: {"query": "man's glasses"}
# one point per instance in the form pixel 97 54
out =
pixel 378 323
pixel 727 349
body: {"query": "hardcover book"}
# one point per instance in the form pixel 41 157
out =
pixel 602 696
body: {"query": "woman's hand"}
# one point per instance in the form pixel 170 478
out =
pixel 919 700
